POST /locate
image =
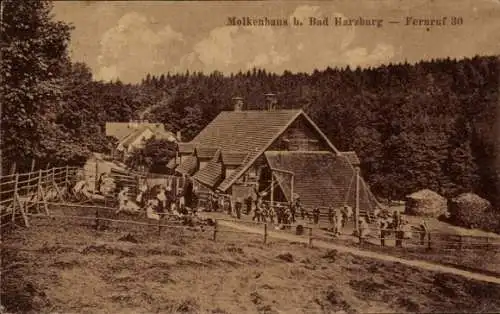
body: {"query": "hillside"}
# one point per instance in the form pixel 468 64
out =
pixel 72 268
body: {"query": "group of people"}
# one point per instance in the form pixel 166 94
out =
pixel 401 228
pixel 262 211
pixel 156 200
pixel 280 213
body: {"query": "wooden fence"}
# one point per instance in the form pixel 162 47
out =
pixel 99 215
pixel 21 191
pixel 29 195
pixel 430 239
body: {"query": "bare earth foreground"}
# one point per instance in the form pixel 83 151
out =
pixel 65 267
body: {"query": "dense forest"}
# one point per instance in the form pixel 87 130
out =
pixel 425 125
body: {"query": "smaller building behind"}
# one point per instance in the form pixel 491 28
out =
pixel 132 135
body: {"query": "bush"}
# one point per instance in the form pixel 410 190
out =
pixel 490 221
pixel 471 211
pixel 468 210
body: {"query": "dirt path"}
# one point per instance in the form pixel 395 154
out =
pixel 363 253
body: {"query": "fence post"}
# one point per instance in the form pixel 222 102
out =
pixel 97 219
pixel 382 237
pixel 159 226
pixel 14 198
pixel 310 238
pixel 265 233
pixel 460 242
pixel 38 191
pixel 399 238
pixel 32 169
pixel 53 179
pixel 66 180
pixel 215 230
pixel 94 190
pixel 429 240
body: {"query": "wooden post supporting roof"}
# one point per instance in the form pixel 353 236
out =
pixel 357 200
pixel 272 189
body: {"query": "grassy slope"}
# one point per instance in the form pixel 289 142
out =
pixel 480 259
pixel 71 268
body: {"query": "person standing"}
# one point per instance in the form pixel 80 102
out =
pixel 215 202
pixel 248 204
pixel 364 229
pixel 284 215
pixel 302 212
pixel 346 214
pixel 122 200
pixel 383 226
pixel 162 198
pixel 187 193
pixel 237 206
pixel 257 210
pixel 330 218
pixel 293 208
pixel 316 215
pixel 272 214
pixel 279 214
pixel 397 228
pixel 264 212
pixel 424 230
pixel 99 183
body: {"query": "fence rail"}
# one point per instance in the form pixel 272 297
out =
pixel 433 240
pixel 100 215
pixel 16 189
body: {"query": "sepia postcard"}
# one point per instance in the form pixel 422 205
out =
pixel 250 156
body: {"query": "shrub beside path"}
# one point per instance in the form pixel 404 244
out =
pixel 364 253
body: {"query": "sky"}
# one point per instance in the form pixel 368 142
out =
pixel 127 40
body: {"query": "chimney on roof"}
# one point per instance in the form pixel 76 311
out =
pixel 238 103
pixel 271 101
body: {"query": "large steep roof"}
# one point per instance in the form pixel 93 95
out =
pixel 244 131
pixel 248 133
pixel 323 179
